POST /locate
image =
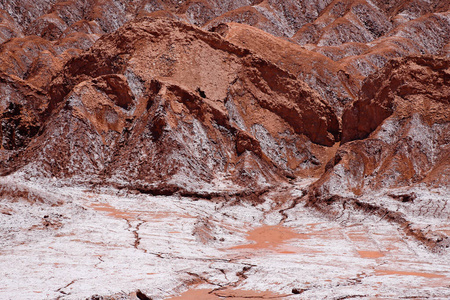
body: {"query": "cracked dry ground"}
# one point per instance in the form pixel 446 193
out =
pixel 73 243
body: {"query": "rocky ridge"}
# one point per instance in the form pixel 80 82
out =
pixel 394 141
pixel 238 104
pixel 202 105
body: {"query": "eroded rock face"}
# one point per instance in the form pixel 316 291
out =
pixel 363 36
pixel 22 109
pixel 418 85
pixel 228 102
pixel 330 81
pixel 295 122
pixel 402 117
pixel 359 36
pixel 402 121
pixel 396 138
pixel 138 109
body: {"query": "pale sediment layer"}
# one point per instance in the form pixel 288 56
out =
pixel 75 243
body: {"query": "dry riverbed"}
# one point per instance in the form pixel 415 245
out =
pixel 74 243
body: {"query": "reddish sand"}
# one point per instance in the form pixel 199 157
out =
pixel 111 211
pixel 358 237
pixel 130 215
pixel 405 273
pixel 270 237
pixel 370 254
pixel 297 250
pixel 195 295
pixel 329 234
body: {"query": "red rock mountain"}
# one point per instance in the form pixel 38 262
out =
pixel 291 147
pixel 161 105
pixel 218 99
pixel 139 109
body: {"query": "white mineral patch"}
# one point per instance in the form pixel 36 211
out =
pixel 72 243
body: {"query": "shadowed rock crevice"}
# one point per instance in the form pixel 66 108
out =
pixel 142 296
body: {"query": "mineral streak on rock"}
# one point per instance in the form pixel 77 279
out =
pixel 203 149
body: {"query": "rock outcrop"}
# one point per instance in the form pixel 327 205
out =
pixel 359 36
pixel 162 145
pixel 22 110
pixel 397 130
pixel 156 98
pixel 139 110
pixel 396 141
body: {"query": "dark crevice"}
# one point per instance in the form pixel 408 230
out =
pixel 135 231
pixel 200 93
pixel 142 296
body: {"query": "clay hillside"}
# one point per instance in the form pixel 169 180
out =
pixel 208 149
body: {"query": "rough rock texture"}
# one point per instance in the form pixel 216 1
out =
pixel 329 80
pixel 396 139
pixel 221 149
pixel 21 109
pixel 360 36
pixel 409 86
pixel 136 106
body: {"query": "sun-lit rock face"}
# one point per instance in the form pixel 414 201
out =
pixel 359 36
pixel 139 109
pixel 211 149
pixel 396 133
pixel 396 146
pixel 330 80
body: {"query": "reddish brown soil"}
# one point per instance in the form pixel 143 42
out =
pixel 196 294
pixel 406 273
pixel 270 237
pixel 111 211
pixel 370 254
